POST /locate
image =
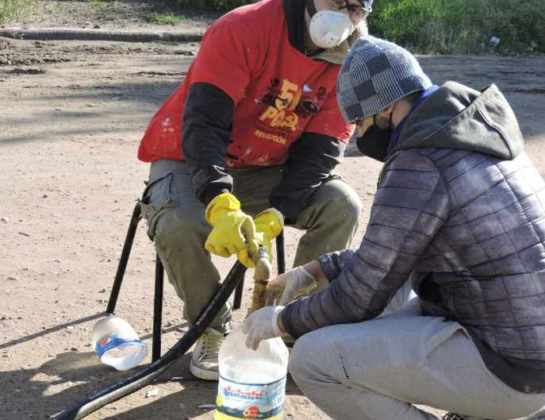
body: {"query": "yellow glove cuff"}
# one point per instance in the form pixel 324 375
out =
pixel 270 222
pixel 221 203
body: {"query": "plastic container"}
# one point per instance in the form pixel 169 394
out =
pixel 117 344
pixel 252 384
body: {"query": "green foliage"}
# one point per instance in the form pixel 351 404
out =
pixel 166 18
pixel 10 9
pixel 100 5
pixel 427 26
pixel 445 26
pixel 462 26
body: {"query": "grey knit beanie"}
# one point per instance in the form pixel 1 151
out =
pixel 375 74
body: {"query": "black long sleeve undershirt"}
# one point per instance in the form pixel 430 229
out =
pixel 207 123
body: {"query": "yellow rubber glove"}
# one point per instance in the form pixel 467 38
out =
pixel 233 230
pixel 269 223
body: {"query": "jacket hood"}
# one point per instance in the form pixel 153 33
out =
pixel 458 117
pixel 454 117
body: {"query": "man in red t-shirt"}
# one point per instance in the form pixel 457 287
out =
pixel 255 120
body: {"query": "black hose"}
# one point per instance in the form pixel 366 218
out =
pixel 149 373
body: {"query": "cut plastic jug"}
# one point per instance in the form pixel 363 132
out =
pixel 252 384
pixel 117 344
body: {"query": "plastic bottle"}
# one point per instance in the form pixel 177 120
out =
pixel 117 344
pixel 252 384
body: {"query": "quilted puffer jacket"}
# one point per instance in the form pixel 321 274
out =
pixel 460 211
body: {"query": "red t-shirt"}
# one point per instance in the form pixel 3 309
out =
pixel 278 92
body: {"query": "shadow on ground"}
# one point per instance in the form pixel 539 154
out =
pixel 73 376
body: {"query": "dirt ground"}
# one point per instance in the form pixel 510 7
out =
pixel 72 114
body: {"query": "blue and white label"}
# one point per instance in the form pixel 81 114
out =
pixel 250 401
pixel 107 343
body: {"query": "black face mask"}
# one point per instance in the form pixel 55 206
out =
pixel 374 143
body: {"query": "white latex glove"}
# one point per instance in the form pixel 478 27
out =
pixel 288 286
pixel 261 325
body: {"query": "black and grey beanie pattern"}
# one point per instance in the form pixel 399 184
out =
pixel 375 74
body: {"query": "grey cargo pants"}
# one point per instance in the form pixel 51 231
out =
pixel 378 370
pixel 176 224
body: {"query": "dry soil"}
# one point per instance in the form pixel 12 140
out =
pixel 72 114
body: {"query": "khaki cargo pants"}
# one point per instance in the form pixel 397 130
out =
pixel 176 224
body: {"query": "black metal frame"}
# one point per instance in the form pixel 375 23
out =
pixel 159 280
pixel 149 373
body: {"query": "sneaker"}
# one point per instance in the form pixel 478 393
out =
pixel 454 416
pixel 204 361
pixel 288 340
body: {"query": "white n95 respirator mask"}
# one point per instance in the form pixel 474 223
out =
pixel 328 28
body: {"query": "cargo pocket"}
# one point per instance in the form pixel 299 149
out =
pixel 157 198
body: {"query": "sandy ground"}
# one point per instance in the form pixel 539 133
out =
pixel 72 114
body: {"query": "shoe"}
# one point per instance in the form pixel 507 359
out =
pixel 454 416
pixel 288 340
pixel 204 361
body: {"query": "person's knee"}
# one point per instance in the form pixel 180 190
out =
pixel 299 363
pixel 342 201
pixel 307 365
pixel 175 228
pixel 352 206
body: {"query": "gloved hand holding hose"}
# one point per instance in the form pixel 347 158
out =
pixel 295 283
pixel 233 231
pixel 268 224
pixel 266 323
